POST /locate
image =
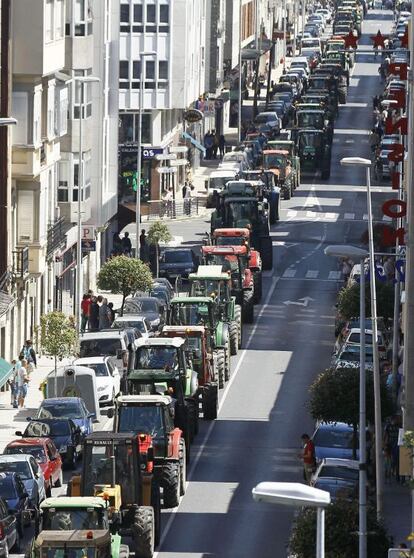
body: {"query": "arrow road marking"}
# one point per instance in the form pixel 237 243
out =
pixel 301 302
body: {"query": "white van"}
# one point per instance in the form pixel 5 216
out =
pixel 217 180
pixel 113 343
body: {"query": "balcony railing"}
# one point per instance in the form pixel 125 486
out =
pixel 21 263
pixel 56 236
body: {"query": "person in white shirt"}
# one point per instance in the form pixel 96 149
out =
pixel 22 378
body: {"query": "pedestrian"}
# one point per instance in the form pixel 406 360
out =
pixel 308 457
pixel 168 197
pixel 14 389
pixel 104 315
pixel 126 245
pixel 216 139
pixel 116 245
pixel 184 190
pixel 22 383
pixel 222 145
pixel 390 441
pixel 143 246
pixel 208 144
pixel 111 312
pixel 187 200
pixel 29 355
pixel 389 269
pixel 85 305
pixel 94 314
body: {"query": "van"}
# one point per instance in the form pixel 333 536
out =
pixel 109 342
pixel 217 181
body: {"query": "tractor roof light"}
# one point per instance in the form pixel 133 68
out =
pixel 89 535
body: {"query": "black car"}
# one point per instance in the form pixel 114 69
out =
pixel 177 262
pixel 66 435
pixel 9 531
pixel 14 494
pixel 147 306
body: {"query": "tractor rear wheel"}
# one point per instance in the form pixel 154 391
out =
pixel 171 483
pixel 156 506
pixel 183 468
pixel 257 281
pixel 143 532
pixel 192 407
pixel 227 365
pixel 266 252
pixel 238 320
pixel 220 367
pixel 248 307
pixel 234 337
pixel 210 401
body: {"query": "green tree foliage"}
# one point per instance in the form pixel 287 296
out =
pixel 158 232
pixel 341 528
pixel 348 300
pixel 125 276
pixel 58 336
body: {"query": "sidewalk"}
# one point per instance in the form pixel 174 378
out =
pixel 397 512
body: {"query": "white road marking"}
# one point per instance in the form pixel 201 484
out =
pixel 334 274
pixel 301 302
pixel 289 273
pixel 331 215
pixel 292 213
pixel 349 216
pixel 202 447
pixel 311 214
pixel 312 274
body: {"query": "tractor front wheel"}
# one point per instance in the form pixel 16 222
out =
pixel 143 532
pixel 248 307
pixel 227 364
pixel 183 468
pixel 257 281
pixel 238 320
pixel 234 337
pixel 220 367
pixel 171 482
pixel 210 401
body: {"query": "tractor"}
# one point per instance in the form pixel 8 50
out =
pixel 270 190
pixel 202 310
pixel 279 163
pixel 210 280
pixel 119 468
pixel 314 118
pixel 289 146
pixel 154 415
pixel 239 207
pixel 158 354
pixel 314 152
pixel 199 349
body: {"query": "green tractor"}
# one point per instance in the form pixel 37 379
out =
pixel 202 310
pixel 314 152
pixel 239 207
pixel 308 116
pixel 210 280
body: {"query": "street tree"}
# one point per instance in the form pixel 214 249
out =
pixel 158 232
pixel 334 397
pixel 58 337
pixel 124 275
pixel 348 300
pixel 341 532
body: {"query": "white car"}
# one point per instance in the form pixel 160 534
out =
pixel 135 321
pixel 354 338
pixel 108 379
pixel 30 474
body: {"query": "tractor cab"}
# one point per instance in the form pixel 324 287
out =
pixel 72 513
pixel 77 544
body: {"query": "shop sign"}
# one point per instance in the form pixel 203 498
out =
pixel 151 152
pixel 193 115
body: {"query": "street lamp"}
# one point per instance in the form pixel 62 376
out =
pixel 240 100
pixel 366 163
pixel 82 80
pixel 295 494
pixel 355 253
pixel 142 56
pixel 8 121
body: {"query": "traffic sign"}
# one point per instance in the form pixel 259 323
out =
pixel 88 246
pixel 88 232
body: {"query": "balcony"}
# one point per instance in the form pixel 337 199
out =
pixel 56 236
pixel 20 263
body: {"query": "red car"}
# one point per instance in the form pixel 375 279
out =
pixel 45 453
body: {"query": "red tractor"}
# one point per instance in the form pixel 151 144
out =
pixel 241 237
pixel 201 354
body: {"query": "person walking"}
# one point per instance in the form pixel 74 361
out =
pixel 126 245
pixel 22 383
pixel 14 389
pixel 143 246
pixel 94 314
pixel 187 200
pixel 85 305
pixel 104 315
pixel 208 144
pixel 111 312
pixel 215 143
pixel 222 145
pixel 28 353
pixel 308 458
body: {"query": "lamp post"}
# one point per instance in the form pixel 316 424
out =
pixel 355 253
pixel 239 112
pixel 366 163
pixel 295 494
pixel 142 56
pixel 82 80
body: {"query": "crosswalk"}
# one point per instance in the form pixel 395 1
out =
pixel 330 216
pixel 311 274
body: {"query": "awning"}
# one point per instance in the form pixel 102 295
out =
pixel 6 302
pixel 5 371
pixel 194 142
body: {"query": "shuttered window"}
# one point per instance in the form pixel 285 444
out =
pixel 20 110
pixel 25 216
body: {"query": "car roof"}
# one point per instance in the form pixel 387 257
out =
pixel 160 342
pixel 105 334
pixel 74 502
pixel 129 317
pixel 149 399
pixel 28 441
pixel 342 426
pixel 54 400
pixel 15 458
pixel 337 462
pixel 91 360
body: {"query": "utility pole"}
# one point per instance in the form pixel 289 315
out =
pixel 239 115
pixel 303 14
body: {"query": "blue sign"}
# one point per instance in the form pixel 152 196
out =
pixel 88 245
pixel 150 152
pixel 379 273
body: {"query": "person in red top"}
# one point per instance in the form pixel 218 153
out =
pixel 308 457
pixel 85 304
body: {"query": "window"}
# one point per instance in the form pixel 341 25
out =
pixel 123 69
pixel 150 70
pixel 86 194
pixel 63 189
pixel 62 112
pixel 49 20
pixel 87 92
pixel 20 109
pixel 163 70
pixel 37 112
pixel 59 19
pixel 124 17
pixel 83 18
pixel 164 13
pixel 136 69
pixel 25 216
pixel 51 112
pixel 151 13
pixel 137 13
pixel 128 127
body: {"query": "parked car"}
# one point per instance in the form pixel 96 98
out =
pixel 109 342
pixel 338 488
pixel 354 338
pixel 29 472
pixel 334 439
pixel 73 408
pixel 140 323
pixel 46 455
pixel 108 379
pixel 176 262
pixel 349 355
pixel 66 436
pixel 14 494
pixel 236 157
pixel 9 531
pixel 347 469
pixel 270 119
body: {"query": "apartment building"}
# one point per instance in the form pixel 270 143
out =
pixel 173 80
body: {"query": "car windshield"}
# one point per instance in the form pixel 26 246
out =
pixel 309 140
pixel 205 287
pixel 59 410
pixel 99 347
pixel 140 305
pixel 339 472
pixel 317 83
pixel 20 467
pixel 177 256
pixel 310 119
pixel 7 489
pixel 38 452
pixel 218 182
pixel 271 160
pixel 264 118
pixel 141 419
pixel 245 211
pixel 230 240
pixel 40 429
pixel 353 356
pixel 159 358
pixel 189 314
pixel 356 338
pixel 100 369
pixel 137 324
pixel 71 519
pixel 325 438
pixel 340 489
